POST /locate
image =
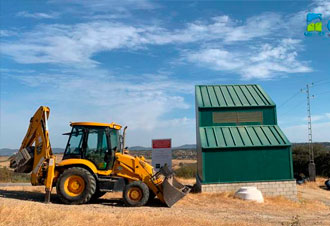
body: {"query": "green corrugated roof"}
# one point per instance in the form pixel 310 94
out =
pixel 242 136
pixel 231 96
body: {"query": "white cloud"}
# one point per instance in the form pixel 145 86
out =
pixel 218 59
pixel 298 133
pixel 78 43
pixel 142 102
pixel 75 45
pixel 37 15
pixel 322 6
pixel 264 62
pixel 320 128
pixel 106 5
pixel 105 9
pixel 319 117
pixel 7 33
pixel 221 28
pixel 256 26
pixel 71 44
pixel 295 23
pixel 316 118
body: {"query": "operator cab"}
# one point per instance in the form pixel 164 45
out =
pixel 96 142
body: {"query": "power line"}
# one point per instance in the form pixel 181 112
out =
pixel 293 108
pixel 320 84
pixel 319 81
pixel 323 92
pixel 289 99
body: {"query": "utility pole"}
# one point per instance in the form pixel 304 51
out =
pixel 311 165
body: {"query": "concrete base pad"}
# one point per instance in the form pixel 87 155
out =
pixel 287 188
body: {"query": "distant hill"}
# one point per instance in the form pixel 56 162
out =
pixel 325 144
pixel 9 151
pixel 58 150
pixel 139 148
pixel 182 147
pixel 186 146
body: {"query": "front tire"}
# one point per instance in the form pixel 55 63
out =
pixel 136 194
pixel 76 185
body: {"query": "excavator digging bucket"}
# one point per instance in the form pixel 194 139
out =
pixel 22 161
pixel 173 190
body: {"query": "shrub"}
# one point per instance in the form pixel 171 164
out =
pixel 7 175
pixel 300 155
pixel 186 170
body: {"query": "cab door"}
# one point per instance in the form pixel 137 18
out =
pixel 98 148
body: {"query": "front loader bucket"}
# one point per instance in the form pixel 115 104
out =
pixel 173 190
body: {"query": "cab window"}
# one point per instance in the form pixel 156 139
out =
pixel 74 146
pixel 114 139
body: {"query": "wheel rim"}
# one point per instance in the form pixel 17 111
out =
pixel 135 194
pixel 74 185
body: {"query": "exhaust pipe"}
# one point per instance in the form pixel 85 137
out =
pixel 123 140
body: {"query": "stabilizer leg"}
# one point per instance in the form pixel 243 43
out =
pixel 47 195
pixel 50 178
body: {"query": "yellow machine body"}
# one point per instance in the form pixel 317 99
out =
pixel 126 166
pixel 41 162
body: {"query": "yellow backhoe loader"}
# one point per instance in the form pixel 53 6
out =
pixel 93 162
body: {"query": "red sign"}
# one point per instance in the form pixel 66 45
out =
pixel 164 143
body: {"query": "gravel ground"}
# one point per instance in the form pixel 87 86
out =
pixel 23 205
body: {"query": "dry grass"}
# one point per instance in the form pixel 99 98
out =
pixel 175 162
pixel 23 206
pixel 314 191
pixel 4 161
pixel 315 185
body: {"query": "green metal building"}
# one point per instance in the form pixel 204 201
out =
pixel 238 139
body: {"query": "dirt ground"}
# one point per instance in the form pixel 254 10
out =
pixel 23 205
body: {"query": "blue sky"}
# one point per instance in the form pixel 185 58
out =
pixel 136 63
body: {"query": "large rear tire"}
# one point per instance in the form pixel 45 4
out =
pixel 76 185
pixel 136 194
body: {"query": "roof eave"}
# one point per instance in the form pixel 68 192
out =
pixel 248 147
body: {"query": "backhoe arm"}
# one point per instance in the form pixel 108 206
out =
pixel 35 154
